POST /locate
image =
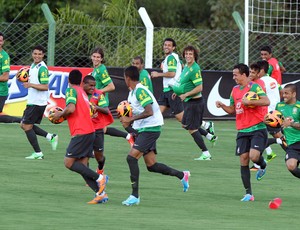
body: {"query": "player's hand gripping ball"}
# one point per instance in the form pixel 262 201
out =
pixel 23 74
pixel 274 119
pixel 251 96
pixel 93 109
pixel 124 109
pixel 53 111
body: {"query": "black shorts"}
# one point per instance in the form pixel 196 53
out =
pixel 251 140
pixel 81 146
pixel 33 114
pixel 2 102
pixel 273 130
pixel 193 114
pixel 145 142
pixel 293 151
pixel 99 140
pixel 166 100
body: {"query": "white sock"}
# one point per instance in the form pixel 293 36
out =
pixel 269 150
pixel 100 177
pixel 203 124
pixel 49 136
pixel 209 136
pixel 206 153
pixel 128 136
pixel 279 141
pixel 256 166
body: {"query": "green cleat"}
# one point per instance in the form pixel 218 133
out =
pixel 203 158
pixel 213 140
pixel 54 141
pixel 35 156
pixel 271 156
pixel 211 128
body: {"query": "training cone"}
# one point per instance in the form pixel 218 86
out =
pixel 275 203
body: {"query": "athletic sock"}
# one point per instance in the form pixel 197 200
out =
pixel 269 150
pixel 92 183
pixel 206 153
pixel 101 164
pixel 39 131
pixel 279 141
pixel 115 132
pixel 165 170
pixel 245 175
pixel 261 162
pixel 32 138
pixel 203 132
pixel 199 140
pixel 271 141
pixel 134 175
pixel 129 129
pixel 84 170
pixel 9 119
pixel 296 172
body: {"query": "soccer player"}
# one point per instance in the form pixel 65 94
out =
pixel 252 133
pixel 275 67
pixel 189 90
pixel 147 120
pixel 36 103
pixel 4 76
pixel 106 85
pixel 145 78
pixel 290 108
pixel 259 71
pixel 80 149
pixel 100 119
pixel 172 68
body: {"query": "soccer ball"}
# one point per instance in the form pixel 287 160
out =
pixel 124 109
pixel 274 119
pixel 52 111
pixel 251 96
pixel 23 74
pixel 92 109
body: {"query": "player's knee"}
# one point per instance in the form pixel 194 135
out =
pixel 131 160
pixel 291 165
pixel 152 168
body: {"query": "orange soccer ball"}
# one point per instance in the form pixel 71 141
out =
pixel 124 109
pixel 52 111
pixel 23 74
pixel 274 119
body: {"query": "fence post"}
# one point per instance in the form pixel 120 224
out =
pixel 149 36
pixel 239 21
pixel 51 34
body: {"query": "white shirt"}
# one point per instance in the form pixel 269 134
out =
pixel 272 91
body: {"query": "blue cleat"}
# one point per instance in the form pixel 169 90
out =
pixel 248 197
pixel 131 200
pixel 185 180
pixel 260 174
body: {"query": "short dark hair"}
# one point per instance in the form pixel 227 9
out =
pixel 243 69
pixel 88 78
pixel 191 48
pixel 263 64
pixel 139 58
pixel 266 48
pixel 170 40
pixel 1 34
pixel 133 73
pixel 39 47
pixel 255 66
pixel 75 77
pixel 292 87
pixel 100 51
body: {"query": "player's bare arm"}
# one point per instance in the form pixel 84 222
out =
pixel 4 77
pixel 155 74
pixel 228 109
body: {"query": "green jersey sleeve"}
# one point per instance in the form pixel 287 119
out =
pixel 172 64
pixel 5 62
pixel 102 102
pixel 71 96
pixel 143 97
pixel 257 89
pixel 43 75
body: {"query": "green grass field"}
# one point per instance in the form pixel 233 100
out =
pixel 43 194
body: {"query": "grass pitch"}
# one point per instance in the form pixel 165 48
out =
pixel 43 194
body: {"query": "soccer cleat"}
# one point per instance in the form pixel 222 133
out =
pixel 35 156
pixel 248 197
pixel 131 200
pixel 271 156
pixel 283 141
pixel 203 158
pixel 99 199
pixel 131 140
pixel 213 140
pixel 211 128
pixel 54 141
pixel 253 168
pixel 102 183
pixel 260 174
pixel 185 180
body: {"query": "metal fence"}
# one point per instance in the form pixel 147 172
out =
pixel 219 50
